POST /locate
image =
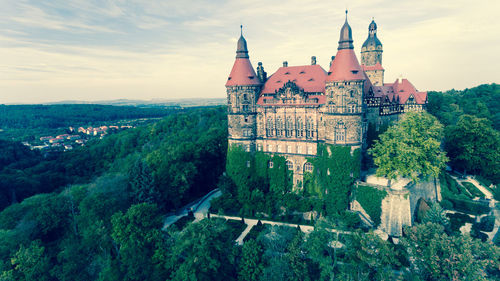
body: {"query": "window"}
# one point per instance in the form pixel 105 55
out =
pixel 269 148
pixel 309 128
pixel 245 97
pixel 279 148
pixel 247 132
pixel 247 148
pixel 246 119
pixel 279 127
pixel 289 127
pixel 308 167
pixel 269 127
pixel 299 149
pixel 340 131
pixel 259 147
pixel 300 128
pixel 289 165
pixel 245 107
pixel 309 150
pixel 248 164
pixel 288 149
pixel 270 164
pixel 351 108
pixel 331 107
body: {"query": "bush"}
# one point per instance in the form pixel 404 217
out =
pixel 470 207
pixel 371 200
pixel 487 223
pixel 182 222
pixel 458 220
pixel 446 204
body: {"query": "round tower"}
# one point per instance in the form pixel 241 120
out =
pixel 243 88
pixel 371 56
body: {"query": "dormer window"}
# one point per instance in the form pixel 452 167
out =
pixel 354 71
pixel 279 81
pixel 287 73
pixel 250 77
pixel 229 78
pixel 310 79
pixel 302 72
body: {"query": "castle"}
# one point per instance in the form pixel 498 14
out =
pixel 296 108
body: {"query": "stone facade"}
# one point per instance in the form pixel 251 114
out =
pixel 296 108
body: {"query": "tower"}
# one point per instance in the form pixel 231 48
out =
pixel 371 56
pixel 242 87
pixel 344 90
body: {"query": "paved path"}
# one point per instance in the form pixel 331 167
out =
pixel 199 207
pixel 251 222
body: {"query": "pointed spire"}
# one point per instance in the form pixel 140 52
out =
pixel 241 49
pixel 345 41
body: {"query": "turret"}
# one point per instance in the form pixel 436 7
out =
pixel 344 91
pixel 243 88
pixel 371 56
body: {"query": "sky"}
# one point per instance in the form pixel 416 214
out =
pixel 165 49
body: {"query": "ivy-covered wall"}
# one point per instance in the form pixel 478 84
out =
pixel 259 188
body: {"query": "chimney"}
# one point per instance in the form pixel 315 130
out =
pixel 313 60
pixel 285 64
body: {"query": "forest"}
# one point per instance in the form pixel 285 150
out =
pixel 28 122
pixel 96 212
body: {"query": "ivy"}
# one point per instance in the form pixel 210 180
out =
pixel 335 170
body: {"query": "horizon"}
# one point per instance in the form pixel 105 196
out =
pixel 91 51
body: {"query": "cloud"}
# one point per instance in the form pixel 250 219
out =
pixel 93 49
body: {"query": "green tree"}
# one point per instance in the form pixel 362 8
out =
pixel 410 148
pixel 251 264
pixel 201 251
pixel 434 255
pixel 474 146
pixel 297 258
pixel 29 263
pixel 368 257
pixel 142 183
pixel 437 215
pixel 136 233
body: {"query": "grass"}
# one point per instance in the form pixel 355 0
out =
pixel 235 227
pixel 371 200
pixel 473 189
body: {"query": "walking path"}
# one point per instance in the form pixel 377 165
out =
pixel 251 222
pixel 199 207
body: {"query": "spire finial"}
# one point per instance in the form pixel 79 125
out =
pixel 241 29
pixel 346 14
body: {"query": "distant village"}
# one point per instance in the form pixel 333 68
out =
pixel 75 137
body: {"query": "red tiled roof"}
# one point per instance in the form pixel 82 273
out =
pixel 402 90
pixel 321 99
pixel 311 78
pixel 242 74
pixel 345 67
pixel 377 66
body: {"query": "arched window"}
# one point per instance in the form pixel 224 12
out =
pixel 289 165
pixel 289 127
pixel 310 128
pixel 308 167
pixel 279 127
pixel 351 108
pixel 300 128
pixel 340 131
pixel 270 164
pixel 269 127
pixel 331 107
